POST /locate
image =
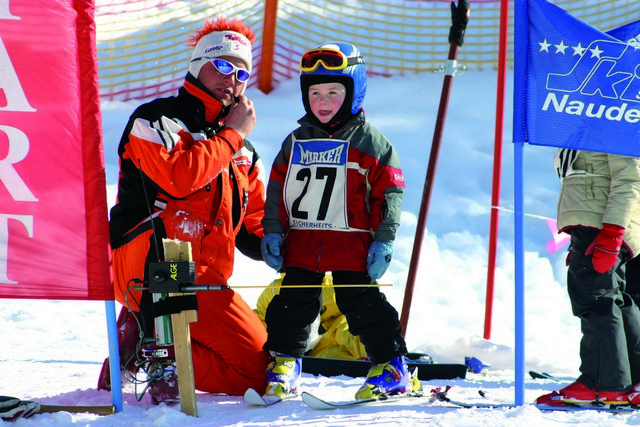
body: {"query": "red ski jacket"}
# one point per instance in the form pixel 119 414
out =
pixel 332 195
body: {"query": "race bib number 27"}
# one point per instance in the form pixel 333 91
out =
pixel 315 187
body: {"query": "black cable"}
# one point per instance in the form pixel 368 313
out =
pixel 146 198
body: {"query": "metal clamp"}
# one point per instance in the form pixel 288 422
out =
pixel 451 68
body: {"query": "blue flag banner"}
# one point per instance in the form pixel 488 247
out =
pixel 575 86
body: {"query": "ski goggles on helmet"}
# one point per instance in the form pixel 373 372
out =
pixel 330 59
pixel 226 68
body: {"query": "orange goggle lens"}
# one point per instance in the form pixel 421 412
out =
pixel 329 59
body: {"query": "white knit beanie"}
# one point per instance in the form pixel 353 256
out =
pixel 220 43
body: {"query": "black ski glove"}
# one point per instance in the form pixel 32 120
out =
pixel 459 20
pixel 12 408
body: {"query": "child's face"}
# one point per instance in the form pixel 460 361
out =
pixel 326 99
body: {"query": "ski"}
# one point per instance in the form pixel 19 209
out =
pixel 477 405
pixel 439 394
pixel 427 371
pixel 252 397
pixel 315 402
pixel 542 375
pixel 588 407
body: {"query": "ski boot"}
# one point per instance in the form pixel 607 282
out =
pixel 283 375
pixel 160 367
pixel 634 396
pixel 577 393
pixel 128 340
pixel 389 378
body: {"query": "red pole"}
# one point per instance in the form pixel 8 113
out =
pixel 497 161
pixel 460 16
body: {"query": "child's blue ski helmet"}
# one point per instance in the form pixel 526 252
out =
pixel 340 60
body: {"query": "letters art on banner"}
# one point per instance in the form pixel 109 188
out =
pixel 53 214
pixel 575 86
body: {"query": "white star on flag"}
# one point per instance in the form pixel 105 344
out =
pixel 578 50
pixel 544 46
pixel 595 52
pixel 560 48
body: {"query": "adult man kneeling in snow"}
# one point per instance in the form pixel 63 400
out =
pixel 188 173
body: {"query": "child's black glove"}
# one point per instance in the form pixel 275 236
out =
pixel 459 20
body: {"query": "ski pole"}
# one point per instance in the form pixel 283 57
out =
pixel 459 19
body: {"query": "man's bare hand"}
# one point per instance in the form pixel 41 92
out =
pixel 242 116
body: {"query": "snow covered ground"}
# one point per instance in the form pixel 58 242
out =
pixel 52 351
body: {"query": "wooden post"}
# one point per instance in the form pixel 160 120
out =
pixel 175 250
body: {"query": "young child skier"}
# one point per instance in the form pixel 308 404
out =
pixel 333 205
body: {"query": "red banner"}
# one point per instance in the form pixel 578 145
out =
pixel 53 209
